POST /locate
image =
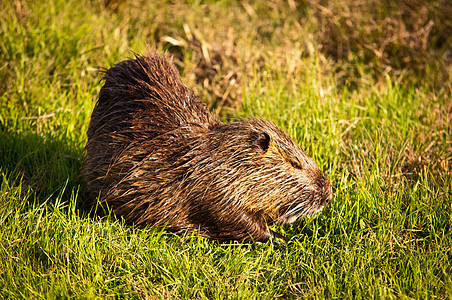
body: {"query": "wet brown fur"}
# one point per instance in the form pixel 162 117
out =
pixel 156 155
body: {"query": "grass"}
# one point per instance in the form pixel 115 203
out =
pixel 383 138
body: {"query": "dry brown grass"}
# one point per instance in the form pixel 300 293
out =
pixel 362 40
pixel 410 38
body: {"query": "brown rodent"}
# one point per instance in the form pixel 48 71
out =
pixel 157 156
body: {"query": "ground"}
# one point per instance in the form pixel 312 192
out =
pixel 363 86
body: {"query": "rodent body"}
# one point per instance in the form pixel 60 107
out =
pixel 156 156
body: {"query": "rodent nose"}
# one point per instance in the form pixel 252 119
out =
pixel 328 193
pixel 325 190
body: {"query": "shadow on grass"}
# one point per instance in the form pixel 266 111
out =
pixel 45 165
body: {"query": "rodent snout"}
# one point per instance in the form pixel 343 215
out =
pixel 328 194
pixel 325 190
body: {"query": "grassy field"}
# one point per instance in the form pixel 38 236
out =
pixel 366 92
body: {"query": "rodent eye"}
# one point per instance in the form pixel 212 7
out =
pixel 263 142
pixel 296 165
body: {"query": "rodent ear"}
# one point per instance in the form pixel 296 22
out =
pixel 262 142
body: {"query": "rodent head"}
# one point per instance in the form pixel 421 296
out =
pixel 273 176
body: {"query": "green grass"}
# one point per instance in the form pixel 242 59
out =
pixel 385 143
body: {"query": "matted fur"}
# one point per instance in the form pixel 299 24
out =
pixel 157 156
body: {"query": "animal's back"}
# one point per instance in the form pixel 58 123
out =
pixel 146 95
pixel 141 99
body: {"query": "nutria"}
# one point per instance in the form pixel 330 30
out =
pixel 156 156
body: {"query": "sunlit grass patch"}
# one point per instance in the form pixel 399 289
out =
pixel 382 135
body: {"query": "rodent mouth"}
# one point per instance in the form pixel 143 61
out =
pixel 291 216
pixel 309 206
